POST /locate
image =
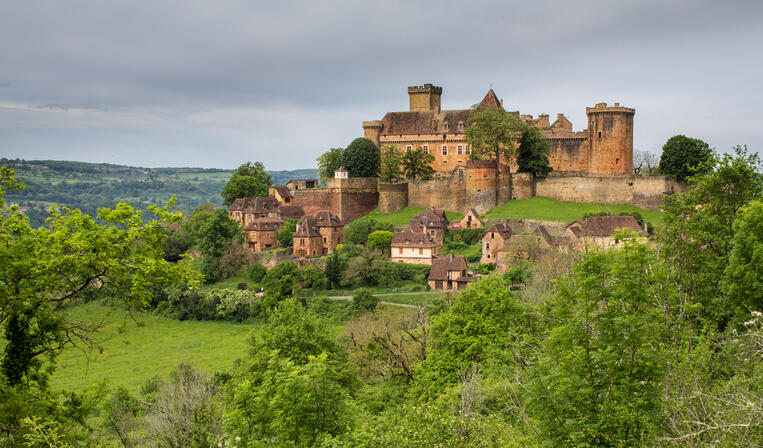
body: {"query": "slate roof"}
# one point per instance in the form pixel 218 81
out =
pixel 409 238
pixel 291 211
pixel 255 205
pixel 265 224
pixel 441 266
pixel 307 227
pixel 606 225
pixel 325 218
pixel 502 229
pixel 430 218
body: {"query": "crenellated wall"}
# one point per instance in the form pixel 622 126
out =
pixel 643 192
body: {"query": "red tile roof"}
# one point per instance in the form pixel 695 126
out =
pixel 409 238
pixel 441 266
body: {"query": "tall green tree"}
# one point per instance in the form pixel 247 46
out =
pixel 600 376
pixel 362 158
pixel 215 232
pixel 328 163
pixel 391 160
pixel 249 180
pixel 493 133
pixel 380 239
pixel 417 164
pixel 532 154
pixel 698 235
pixel 49 267
pixel 335 267
pixel 683 157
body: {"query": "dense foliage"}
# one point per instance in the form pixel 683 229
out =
pixel 532 154
pixel 682 157
pixel 362 158
pixel 417 164
pixel 249 180
pixel 390 167
pixel 492 133
pixel 328 163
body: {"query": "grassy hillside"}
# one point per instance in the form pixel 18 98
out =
pixel 133 353
pixel 89 186
pixel 403 217
pixel 546 209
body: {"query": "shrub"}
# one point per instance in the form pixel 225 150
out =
pixel 256 272
pixel 364 300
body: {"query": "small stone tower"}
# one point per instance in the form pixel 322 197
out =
pixel 425 98
pixel 482 184
pixel 610 135
pixel 372 130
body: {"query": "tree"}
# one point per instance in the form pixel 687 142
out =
pixel 44 269
pixel 416 164
pixel 249 180
pixel 364 300
pixel 280 282
pixel 361 158
pixel 492 133
pixel 335 267
pixel 698 235
pixel 390 163
pixel 214 233
pixel 645 163
pixel 683 156
pixel 743 275
pixel 532 155
pixel 357 232
pixel 600 376
pixel 285 234
pixel 380 239
pixel 367 267
pixel 328 163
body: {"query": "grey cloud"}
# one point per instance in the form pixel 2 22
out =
pixel 218 83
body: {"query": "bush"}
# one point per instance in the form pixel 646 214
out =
pixel 364 300
pixel 519 274
pixel 486 268
pixel 236 305
pixel 314 278
pixel 256 272
pixel 380 239
pixel 394 274
pixel 466 236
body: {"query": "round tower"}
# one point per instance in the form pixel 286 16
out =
pixel 610 134
pixel 481 184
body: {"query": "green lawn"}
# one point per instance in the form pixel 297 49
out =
pixel 134 353
pixel 403 217
pixel 546 209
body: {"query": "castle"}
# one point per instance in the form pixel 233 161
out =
pixel 605 148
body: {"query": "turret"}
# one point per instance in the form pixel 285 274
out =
pixel 610 133
pixel 424 98
pixel 372 130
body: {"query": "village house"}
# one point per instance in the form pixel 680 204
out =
pixel 409 246
pixel 432 222
pixel 282 194
pixel 496 237
pixel 600 230
pixel 246 210
pixel 449 273
pixel 318 234
pixel 301 184
pixel 261 233
pixel 471 220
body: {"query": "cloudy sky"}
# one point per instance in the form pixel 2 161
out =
pixel 217 83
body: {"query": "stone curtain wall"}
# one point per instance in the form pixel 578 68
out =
pixel 644 192
pixel 392 197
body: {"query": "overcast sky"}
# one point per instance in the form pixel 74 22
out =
pixel 216 83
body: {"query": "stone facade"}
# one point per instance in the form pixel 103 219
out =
pixel 605 147
pixel 414 247
pixel 261 234
pixel 317 235
pixel 449 273
pixel 495 239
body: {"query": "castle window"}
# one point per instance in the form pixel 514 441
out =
pixel 400 250
pixel 421 251
pixel 487 246
pixel 426 149
pixel 468 149
pixel 460 125
pixel 460 149
pixel 408 148
pixel 599 134
pixel 617 161
pixel 445 150
pixel 445 126
pixel 324 240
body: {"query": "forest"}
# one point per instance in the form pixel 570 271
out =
pixel 655 343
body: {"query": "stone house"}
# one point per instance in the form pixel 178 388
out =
pixel 282 194
pixel 261 233
pixel 318 234
pixel 246 210
pixel 496 237
pixel 600 230
pixel 432 222
pixel 471 220
pixel 449 273
pixel 409 246
pixel 301 184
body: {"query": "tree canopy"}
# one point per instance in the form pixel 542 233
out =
pixel 683 157
pixel 416 164
pixel 390 163
pixel 249 180
pixel 328 163
pixel 532 154
pixel 362 158
pixel 493 133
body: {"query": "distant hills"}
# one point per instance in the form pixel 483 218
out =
pixel 90 186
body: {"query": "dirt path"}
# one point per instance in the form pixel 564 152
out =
pixel 404 305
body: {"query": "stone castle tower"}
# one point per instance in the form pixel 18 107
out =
pixel 610 138
pixel 424 98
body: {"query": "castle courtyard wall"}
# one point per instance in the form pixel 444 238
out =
pixel 392 197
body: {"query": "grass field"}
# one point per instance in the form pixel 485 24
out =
pixel 546 209
pixel 134 353
pixel 403 217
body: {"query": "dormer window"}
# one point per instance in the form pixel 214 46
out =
pixel 445 126
pixel 460 125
